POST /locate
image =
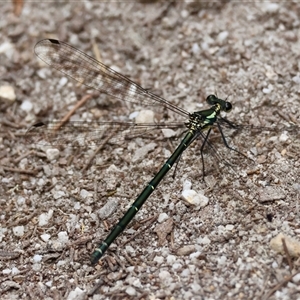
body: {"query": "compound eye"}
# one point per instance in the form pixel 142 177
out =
pixel 228 106
pixel 211 99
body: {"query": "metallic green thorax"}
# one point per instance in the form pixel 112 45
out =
pixel 198 122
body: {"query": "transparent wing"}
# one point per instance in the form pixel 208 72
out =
pixel 81 134
pixel 92 73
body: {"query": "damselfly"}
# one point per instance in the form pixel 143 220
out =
pixel 95 74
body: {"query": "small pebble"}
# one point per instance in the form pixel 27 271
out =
pixel 222 36
pixel 18 230
pixel 270 193
pixel 45 237
pixel 58 194
pixel 283 137
pixel 84 194
pixel 203 240
pixel 45 217
pixel 7 92
pixel 193 198
pixel 26 106
pixel 36 267
pixel 165 276
pixel 296 278
pixel 296 79
pixel 6 271
pixel 186 250
pixel 15 271
pixel 195 49
pixel 77 294
pixel 63 81
pixel 37 258
pixel 130 291
pixel 109 207
pixel 145 116
pixel 63 237
pixel 270 7
pixel 229 227
pixel 168 133
pixel 162 217
pixel 159 259
pixel 141 152
pixel 292 245
pixel 52 154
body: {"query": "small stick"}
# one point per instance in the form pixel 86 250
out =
pixel 97 150
pixel 288 257
pixel 71 112
pixel 279 285
pixel 22 171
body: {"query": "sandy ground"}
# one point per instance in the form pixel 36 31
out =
pixel 56 207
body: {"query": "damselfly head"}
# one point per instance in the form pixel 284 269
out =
pixel 213 100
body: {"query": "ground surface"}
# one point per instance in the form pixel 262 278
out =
pixel 51 217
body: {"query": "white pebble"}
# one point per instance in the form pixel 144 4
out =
pixel 130 291
pixel 6 271
pixel 7 92
pixel 77 294
pixel 229 227
pixel 43 73
pixel 84 194
pixel 171 259
pixel 15 271
pixel 195 49
pixel 77 205
pixel 196 287
pixel 184 13
pixel 18 230
pixel 187 184
pixel 221 260
pixel 283 137
pixel 270 7
pixel 37 258
pixel 141 152
pixel 45 237
pixel 133 115
pixel 63 81
pixel 52 154
pixel 176 266
pixel 203 240
pixel 168 133
pixel 26 106
pixel 292 245
pixel 191 197
pixel 159 259
pixel 266 90
pixel 58 194
pixel 63 237
pixel 222 36
pixel 145 116
pixel 36 267
pixel 162 217
pixel 21 200
pixel 296 79
pixel 129 249
pixel 296 278
pixel 45 217
pixel 7 48
pixel 165 276
pixel 109 207
pixel 185 273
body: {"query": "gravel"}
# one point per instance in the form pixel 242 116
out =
pixel 57 203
